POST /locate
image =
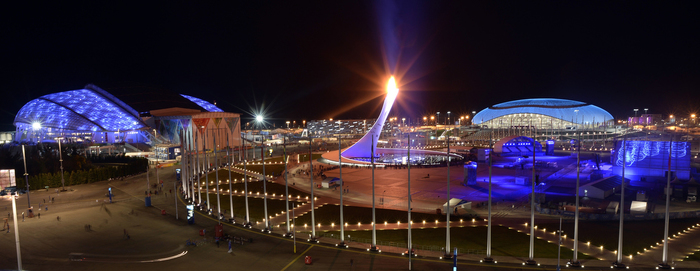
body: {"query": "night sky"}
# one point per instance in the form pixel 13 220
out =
pixel 331 59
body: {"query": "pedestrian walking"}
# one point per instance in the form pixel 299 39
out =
pixel 351 262
pixel 38 215
pixel 22 216
pixel 217 242
pixel 58 218
pixel 8 228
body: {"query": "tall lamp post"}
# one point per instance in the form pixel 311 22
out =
pixel 410 237
pixel 340 170
pixel 373 247
pixel 449 210
pixel 259 120
pixel 14 219
pixel 286 185
pixel 635 116
pixel 618 263
pixel 311 184
pixel 448 118
pixel 488 258
pixel 575 262
pixel 531 260
pixel 26 178
pixel 60 160
pixel 664 256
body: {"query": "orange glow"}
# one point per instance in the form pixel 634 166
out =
pixel 391 87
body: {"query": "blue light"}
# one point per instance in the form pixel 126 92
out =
pixel 555 108
pixel 204 104
pixel 90 109
pixel 637 151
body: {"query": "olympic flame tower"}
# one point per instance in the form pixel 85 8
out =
pixel 368 142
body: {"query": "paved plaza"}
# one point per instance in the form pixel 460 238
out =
pixel 159 241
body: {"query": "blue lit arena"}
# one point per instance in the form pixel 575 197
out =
pixel 543 113
pixel 93 115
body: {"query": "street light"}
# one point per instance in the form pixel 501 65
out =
pixel 635 116
pixel 287 124
pixel 259 119
pixel 425 120
pixel 60 160
pixel 448 117
pixel 438 119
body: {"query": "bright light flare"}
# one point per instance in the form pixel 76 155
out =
pixel 391 88
pixel 259 118
pixel 37 125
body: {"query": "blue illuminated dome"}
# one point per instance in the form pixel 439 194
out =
pixel 89 109
pixel 92 114
pixel 542 112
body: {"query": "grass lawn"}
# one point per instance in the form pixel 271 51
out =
pixel 637 235
pixel 256 206
pixel 693 257
pixel 328 214
pixel 223 176
pixel 505 242
pixel 256 186
pixel 305 158
pixel 277 169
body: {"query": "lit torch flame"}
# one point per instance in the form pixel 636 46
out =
pixel 391 88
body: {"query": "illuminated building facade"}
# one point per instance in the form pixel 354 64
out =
pixel 651 159
pixel 543 113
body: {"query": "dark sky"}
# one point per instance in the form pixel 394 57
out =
pixel 321 59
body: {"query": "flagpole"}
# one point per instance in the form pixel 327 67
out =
pixel 488 258
pixel 286 184
pixel 230 180
pixel 664 255
pixel 311 184
pixel 245 185
pixel 342 185
pixel 206 169
pixel 374 217
pixel 576 262
pixel 410 237
pixel 216 168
